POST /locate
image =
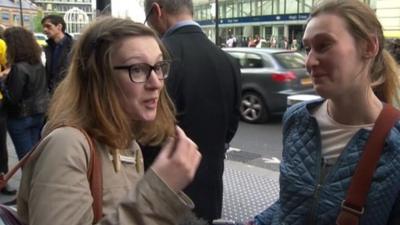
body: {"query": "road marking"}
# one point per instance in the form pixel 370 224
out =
pixel 272 160
pixel 231 149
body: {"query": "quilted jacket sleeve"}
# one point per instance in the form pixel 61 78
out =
pixel 395 214
pixel 265 217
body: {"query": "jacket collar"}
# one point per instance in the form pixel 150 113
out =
pixel 67 38
pixel 186 25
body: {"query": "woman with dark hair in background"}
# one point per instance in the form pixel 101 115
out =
pixel 7 190
pixel 25 89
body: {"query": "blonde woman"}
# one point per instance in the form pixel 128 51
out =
pixel 115 91
pixel 323 140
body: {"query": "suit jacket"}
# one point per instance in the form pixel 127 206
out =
pixel 204 83
pixel 54 187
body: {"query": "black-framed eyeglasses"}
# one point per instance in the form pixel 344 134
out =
pixel 148 14
pixel 140 72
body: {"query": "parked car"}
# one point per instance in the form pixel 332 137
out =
pixel 41 39
pixel 269 75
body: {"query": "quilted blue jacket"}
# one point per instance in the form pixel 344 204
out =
pixel 307 199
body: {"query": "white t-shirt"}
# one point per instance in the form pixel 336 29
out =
pixel 334 136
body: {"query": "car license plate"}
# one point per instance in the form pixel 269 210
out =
pixel 306 81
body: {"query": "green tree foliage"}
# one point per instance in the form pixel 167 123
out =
pixel 37 19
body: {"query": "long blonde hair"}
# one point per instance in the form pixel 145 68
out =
pixel 362 23
pixel 88 96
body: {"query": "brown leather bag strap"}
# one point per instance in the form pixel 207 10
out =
pixel 353 207
pixel 94 174
pixel 95 179
pixel 4 178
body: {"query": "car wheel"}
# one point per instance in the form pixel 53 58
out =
pixel 253 108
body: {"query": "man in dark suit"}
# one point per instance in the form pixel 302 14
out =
pixel 59 45
pixel 204 83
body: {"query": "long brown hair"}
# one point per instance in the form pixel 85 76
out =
pixel 362 23
pixel 21 46
pixel 88 96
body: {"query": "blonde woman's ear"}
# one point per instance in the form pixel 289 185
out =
pixel 371 47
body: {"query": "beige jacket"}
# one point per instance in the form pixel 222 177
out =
pixel 54 188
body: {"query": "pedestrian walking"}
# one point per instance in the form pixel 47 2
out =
pixel 114 92
pixel 204 84
pixel 59 45
pixel 4 70
pixel 323 140
pixel 25 89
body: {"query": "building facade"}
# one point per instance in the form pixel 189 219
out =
pixel 10 13
pixel 388 12
pixel 275 20
pixel 61 7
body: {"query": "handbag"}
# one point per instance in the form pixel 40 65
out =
pixel 8 216
pixel 352 207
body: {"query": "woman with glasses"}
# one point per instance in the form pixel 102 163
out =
pixel 115 92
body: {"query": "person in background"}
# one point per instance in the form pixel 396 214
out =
pixel 323 140
pixel 206 94
pixel 4 70
pixel 251 42
pixel 59 45
pixel 114 90
pixel 294 46
pixel 273 42
pixel 285 43
pixel 25 89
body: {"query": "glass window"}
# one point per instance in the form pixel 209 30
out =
pixel 291 7
pixel 257 9
pixel 5 16
pixel 240 58
pixel 268 32
pixel 239 9
pixel 266 7
pixel 290 60
pixel 235 9
pixel 307 5
pixel 222 10
pixel 246 8
pixel 282 9
pixel 275 7
pixel 203 14
pixel 253 61
pixel 253 7
pixel 229 10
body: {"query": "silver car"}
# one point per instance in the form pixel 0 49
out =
pixel 269 75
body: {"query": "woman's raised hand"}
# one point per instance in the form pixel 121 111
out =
pixel 178 161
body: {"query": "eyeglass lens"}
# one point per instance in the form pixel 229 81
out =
pixel 141 72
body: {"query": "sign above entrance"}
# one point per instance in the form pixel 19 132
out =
pixel 253 19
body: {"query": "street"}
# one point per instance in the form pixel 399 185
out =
pixel 258 144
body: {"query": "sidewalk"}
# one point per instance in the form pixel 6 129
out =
pixel 247 189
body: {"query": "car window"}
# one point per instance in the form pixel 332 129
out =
pixel 240 58
pixel 40 37
pixel 290 60
pixel 253 61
